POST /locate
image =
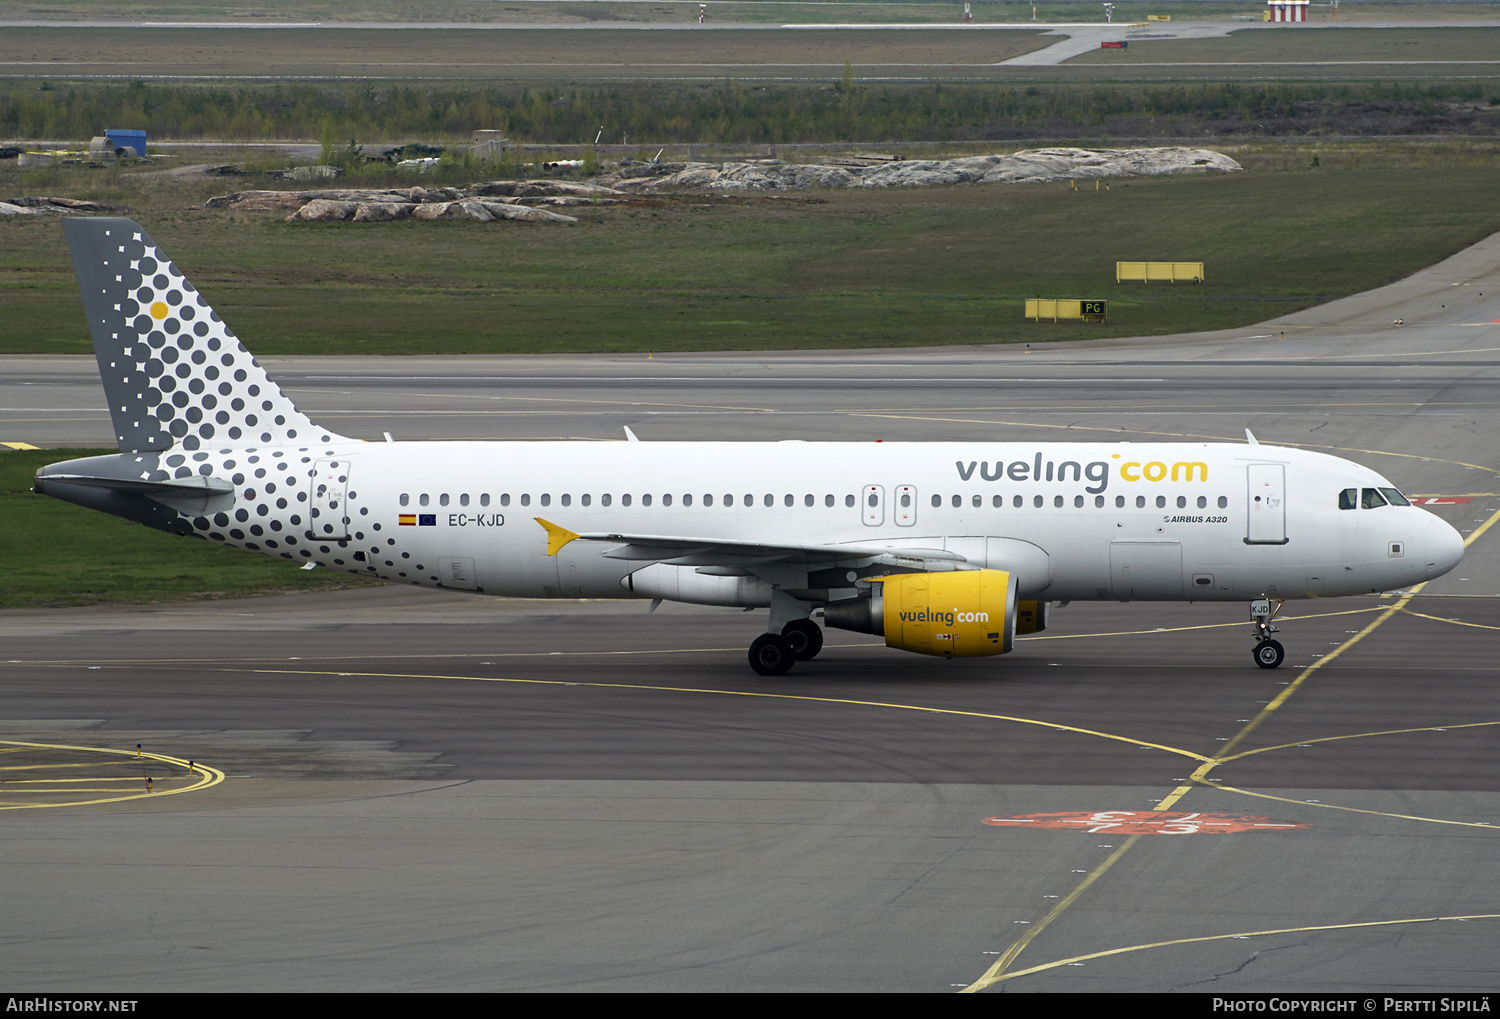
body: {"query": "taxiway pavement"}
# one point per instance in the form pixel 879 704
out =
pixel 426 790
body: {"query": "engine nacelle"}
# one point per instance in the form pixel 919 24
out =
pixel 962 614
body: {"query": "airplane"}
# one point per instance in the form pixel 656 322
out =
pixel 950 549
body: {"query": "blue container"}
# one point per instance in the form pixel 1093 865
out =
pixel 121 139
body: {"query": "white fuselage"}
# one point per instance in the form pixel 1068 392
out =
pixel 1104 521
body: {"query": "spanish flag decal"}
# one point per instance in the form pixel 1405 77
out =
pixel 408 520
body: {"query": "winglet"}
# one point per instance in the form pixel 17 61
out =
pixel 557 537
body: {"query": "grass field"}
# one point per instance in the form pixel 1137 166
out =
pixel 59 554
pixel 1290 45
pixel 907 267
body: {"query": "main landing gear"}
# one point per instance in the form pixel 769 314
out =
pixel 1268 653
pixel 774 654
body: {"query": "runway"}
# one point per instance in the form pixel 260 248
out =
pixel 427 791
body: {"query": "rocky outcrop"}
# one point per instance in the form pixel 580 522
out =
pixel 504 199
pixel 1026 166
pixel 32 206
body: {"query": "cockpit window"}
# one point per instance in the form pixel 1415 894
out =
pixel 1349 498
pixel 1371 499
pixel 1395 498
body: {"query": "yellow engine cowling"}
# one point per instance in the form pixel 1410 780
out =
pixel 962 614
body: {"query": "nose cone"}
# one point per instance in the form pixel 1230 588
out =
pixel 1445 547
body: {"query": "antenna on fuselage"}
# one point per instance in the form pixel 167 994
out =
pixel 629 435
pixel 1249 437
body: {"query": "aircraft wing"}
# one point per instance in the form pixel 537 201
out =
pixel 714 554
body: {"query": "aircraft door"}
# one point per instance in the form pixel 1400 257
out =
pixel 872 504
pixel 906 505
pixel 328 513
pixel 1267 505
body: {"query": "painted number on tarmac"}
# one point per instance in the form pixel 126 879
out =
pixel 1144 822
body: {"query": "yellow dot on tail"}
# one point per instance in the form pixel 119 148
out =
pixel 159 310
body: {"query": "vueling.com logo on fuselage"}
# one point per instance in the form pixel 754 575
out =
pixel 1097 471
pixel 948 618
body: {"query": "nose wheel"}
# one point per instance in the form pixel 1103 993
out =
pixel 1268 653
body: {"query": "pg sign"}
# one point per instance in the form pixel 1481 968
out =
pixel 1039 308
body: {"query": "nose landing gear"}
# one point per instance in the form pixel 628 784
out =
pixel 1268 653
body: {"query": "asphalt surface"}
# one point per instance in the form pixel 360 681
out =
pixel 427 791
pixel 632 51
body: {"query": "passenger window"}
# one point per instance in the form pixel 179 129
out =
pixel 423 499
pixel 463 500
pixel 958 501
pixel 789 499
pixel 405 499
pixel 505 498
pixel 1018 502
pixel 1077 501
pixel 666 500
pixel 525 499
pixel 1161 502
pixel 848 500
pixel 687 500
pixel 625 499
pixel 585 499
pixel 1349 499
pixel 1119 502
pixel 1140 502
pixel 1223 502
pixel 606 499
pixel 828 500
pixel 484 500
pixel 807 500
pixel 645 500
pixel 1182 502
pixel 937 500
pixel 998 501
pixel 547 499
pixel 1371 499
pixel 1037 501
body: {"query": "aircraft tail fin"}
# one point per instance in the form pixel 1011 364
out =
pixel 174 375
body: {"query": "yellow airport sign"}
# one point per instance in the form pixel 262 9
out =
pixel 1039 308
pixel 1149 272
